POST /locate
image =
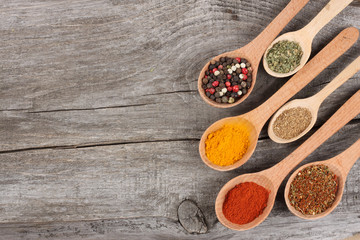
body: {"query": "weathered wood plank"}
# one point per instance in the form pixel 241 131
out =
pixel 137 180
pixel 161 228
pixel 59 68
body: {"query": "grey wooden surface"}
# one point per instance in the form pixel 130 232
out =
pixel 100 118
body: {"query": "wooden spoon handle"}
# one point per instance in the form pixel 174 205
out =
pixel 340 79
pixel 342 116
pixel 348 158
pixel 258 46
pixel 340 44
pixel 333 8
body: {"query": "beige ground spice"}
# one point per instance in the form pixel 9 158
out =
pixel 292 122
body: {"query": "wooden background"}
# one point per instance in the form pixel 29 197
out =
pixel 100 118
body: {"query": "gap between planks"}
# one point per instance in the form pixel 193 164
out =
pixel 100 144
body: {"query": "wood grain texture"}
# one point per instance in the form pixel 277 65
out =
pixel 100 117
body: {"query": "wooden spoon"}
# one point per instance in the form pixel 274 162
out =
pixel 254 50
pixel 271 178
pixel 305 36
pixel 340 166
pixel 313 103
pixel 255 119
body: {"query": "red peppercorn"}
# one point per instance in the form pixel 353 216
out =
pixel 211 71
pixel 205 76
pixel 244 71
pixel 214 70
pixel 220 66
pixel 228 84
pixel 228 76
pixel 238 59
pixel 230 89
pixel 212 90
pixel 215 83
pixel 206 90
pixel 245 76
pixel 236 88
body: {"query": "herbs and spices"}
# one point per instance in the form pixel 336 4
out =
pixel 227 80
pixel 284 56
pixel 292 122
pixel 245 202
pixel 227 145
pixel 313 190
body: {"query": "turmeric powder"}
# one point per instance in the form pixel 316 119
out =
pixel 227 145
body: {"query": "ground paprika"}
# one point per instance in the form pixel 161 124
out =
pixel 245 202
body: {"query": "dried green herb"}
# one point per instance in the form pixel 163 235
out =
pixel 292 122
pixel 284 56
pixel 313 190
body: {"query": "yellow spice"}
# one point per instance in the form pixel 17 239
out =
pixel 227 145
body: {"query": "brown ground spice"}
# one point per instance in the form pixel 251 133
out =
pixel 292 122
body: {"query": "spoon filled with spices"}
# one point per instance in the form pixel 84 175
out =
pixel 289 52
pixel 229 78
pixel 314 190
pixel 246 201
pixel 297 117
pixel 230 142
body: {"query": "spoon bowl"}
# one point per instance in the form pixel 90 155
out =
pixel 271 178
pixel 303 103
pixel 313 103
pixel 305 43
pixel 254 50
pixel 253 136
pixel 233 54
pixel 257 118
pixel 259 179
pixel 341 183
pixel 305 36
pixel 340 165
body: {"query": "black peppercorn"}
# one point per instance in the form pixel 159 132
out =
pixel 224 99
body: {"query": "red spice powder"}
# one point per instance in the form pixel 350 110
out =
pixel 245 202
